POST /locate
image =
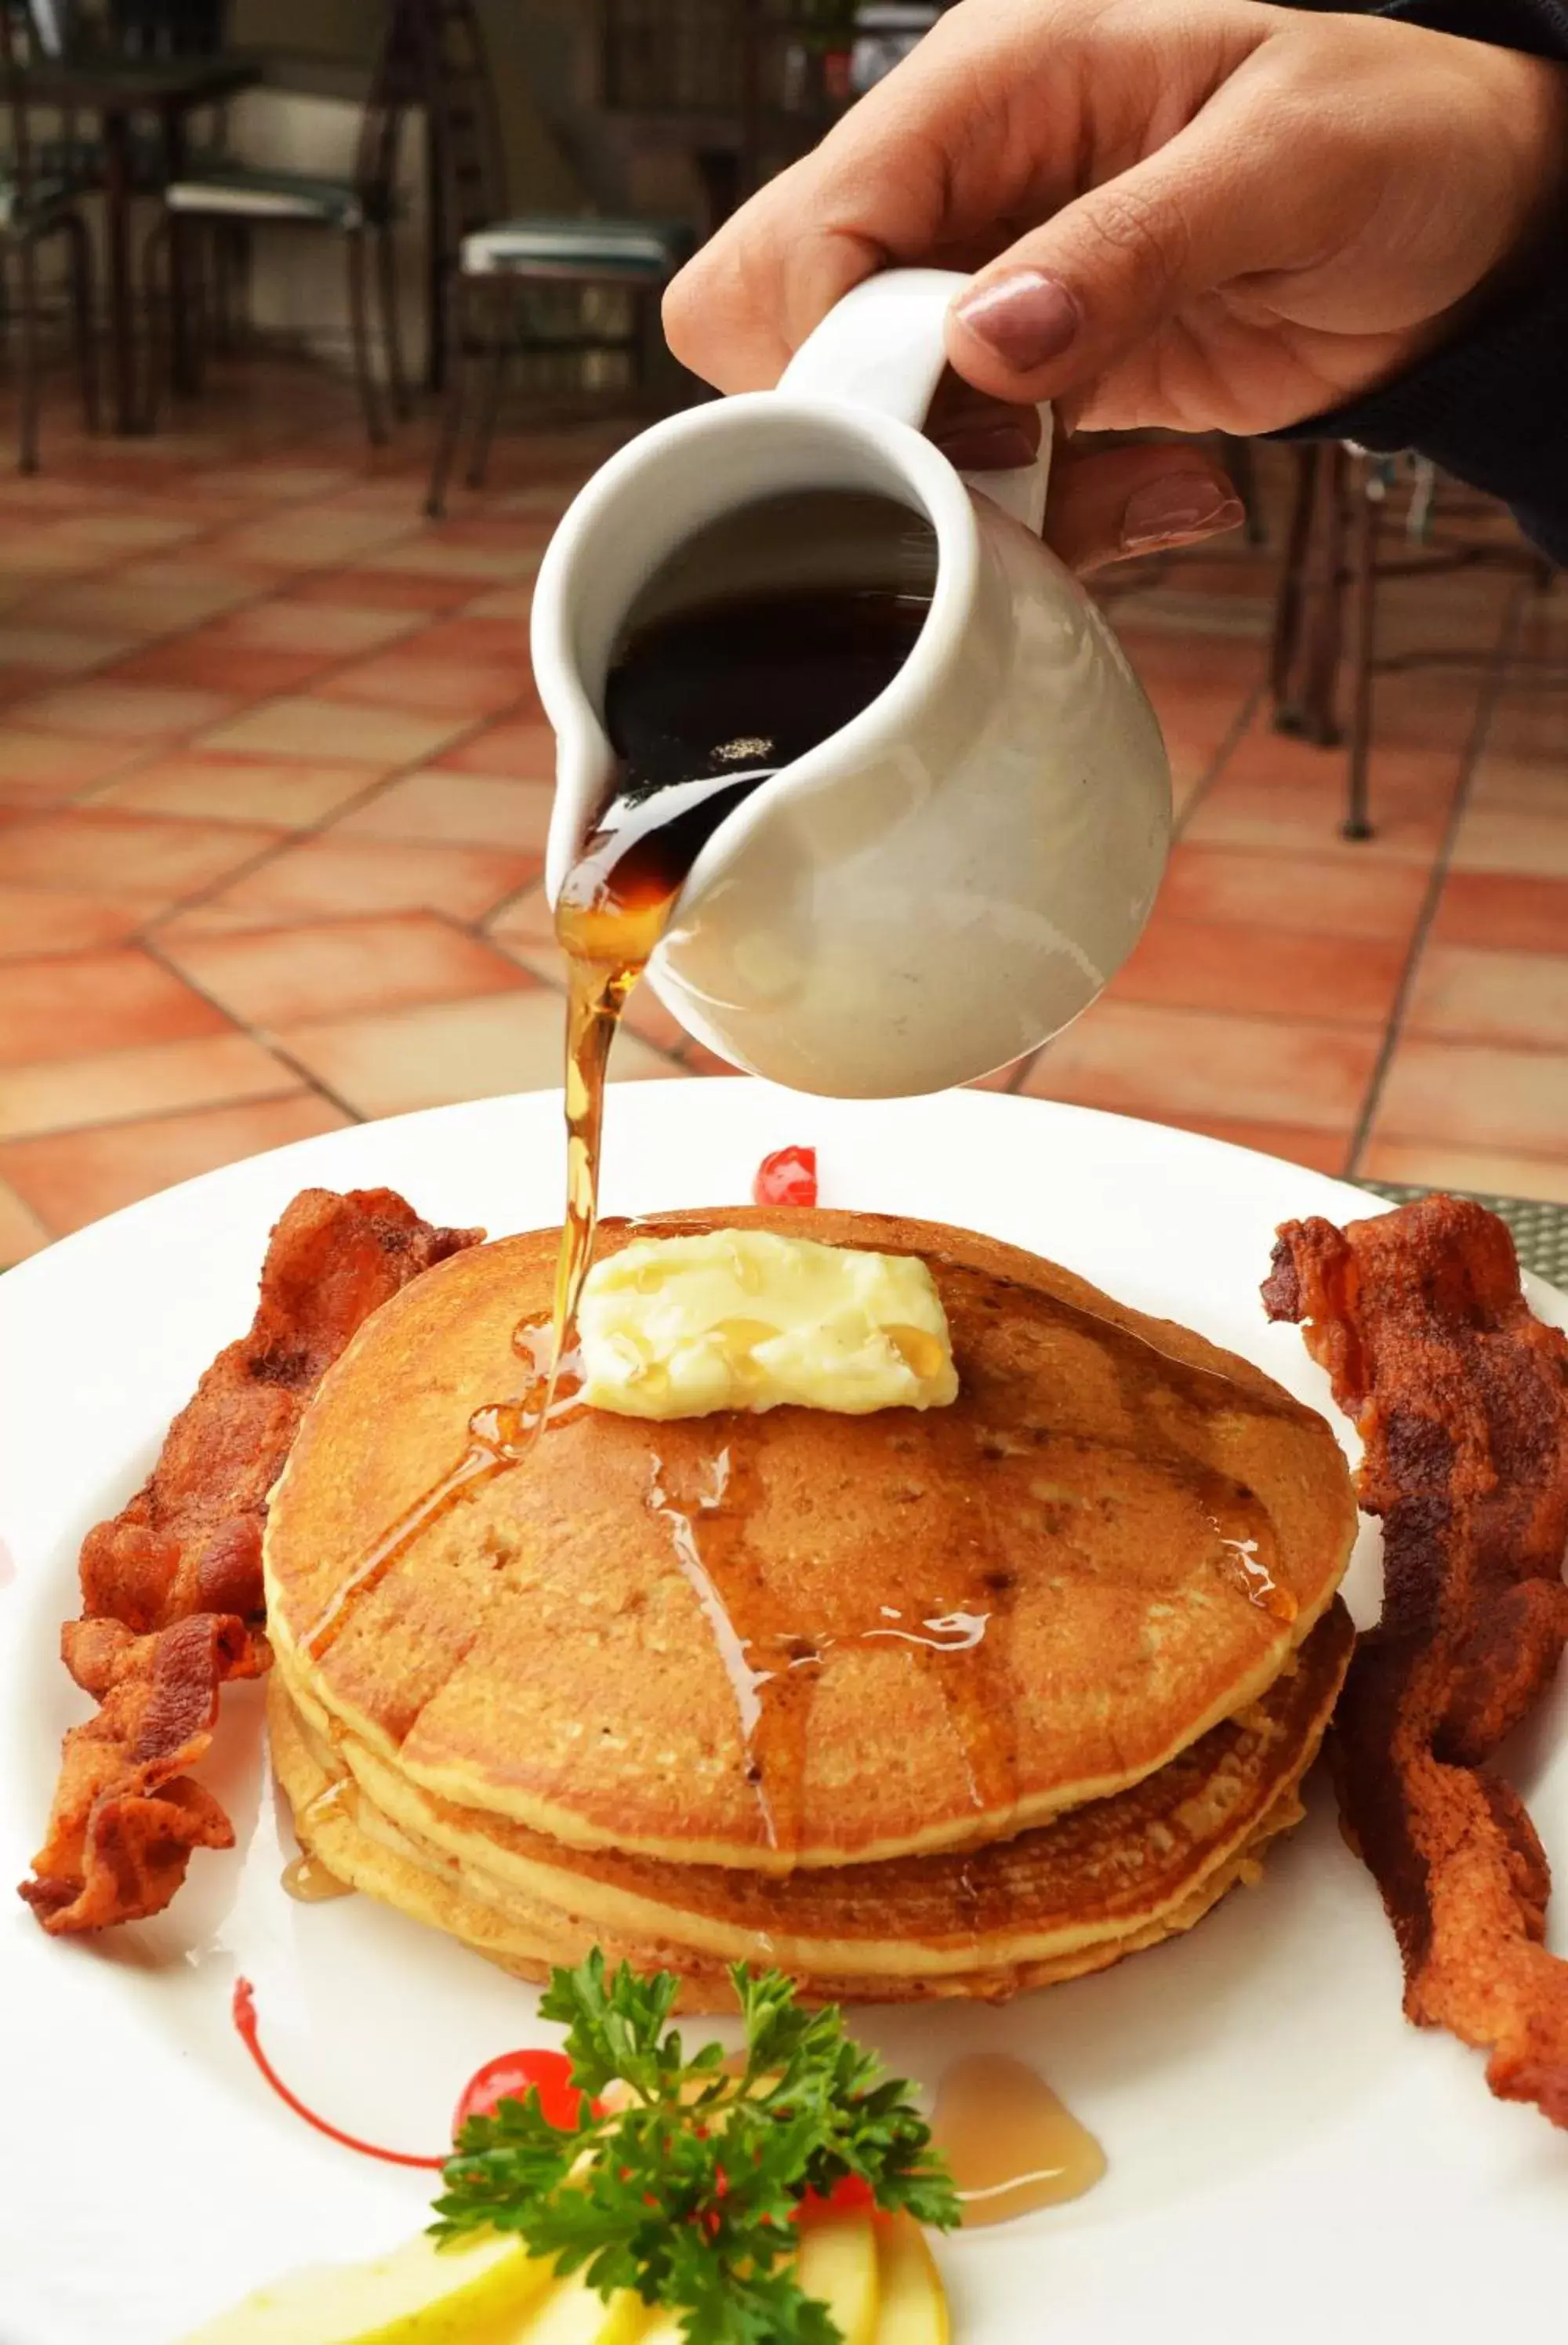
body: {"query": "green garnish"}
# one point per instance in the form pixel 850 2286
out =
pixel 687 2193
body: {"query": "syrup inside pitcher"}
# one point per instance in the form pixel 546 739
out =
pixel 761 637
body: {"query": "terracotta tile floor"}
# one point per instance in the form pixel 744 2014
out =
pixel 274 786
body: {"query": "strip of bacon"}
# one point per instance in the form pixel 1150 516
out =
pixel 171 1588
pixel 126 1815
pixel 1461 1398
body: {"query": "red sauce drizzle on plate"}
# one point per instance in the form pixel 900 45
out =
pixel 245 2021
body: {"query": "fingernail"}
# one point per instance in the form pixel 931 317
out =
pixel 1026 318
pixel 1182 504
pixel 987 447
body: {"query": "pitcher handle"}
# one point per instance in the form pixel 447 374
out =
pixel 882 346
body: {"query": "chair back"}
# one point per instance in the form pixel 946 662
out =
pixel 395 90
pixel 167 28
pixel 456 88
pixel 18 38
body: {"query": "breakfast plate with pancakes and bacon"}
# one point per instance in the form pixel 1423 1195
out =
pixel 904 1639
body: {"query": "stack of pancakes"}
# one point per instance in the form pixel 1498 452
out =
pixel 908 1704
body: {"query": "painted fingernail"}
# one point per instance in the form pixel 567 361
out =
pixel 988 448
pixel 1026 318
pixel 1182 504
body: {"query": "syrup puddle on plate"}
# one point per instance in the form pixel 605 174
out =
pixel 310 1883
pixel 1011 2143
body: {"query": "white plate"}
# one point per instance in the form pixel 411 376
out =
pixel 1287 2157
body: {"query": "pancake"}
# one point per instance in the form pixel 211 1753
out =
pixel 1110 1878
pixel 801 1639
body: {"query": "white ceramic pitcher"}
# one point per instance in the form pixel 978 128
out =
pixel 949 879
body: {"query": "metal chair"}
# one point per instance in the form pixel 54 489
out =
pixel 1338 555
pixel 227 199
pixel 496 265
pixel 35 205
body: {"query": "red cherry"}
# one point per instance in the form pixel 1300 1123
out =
pixel 508 2077
pixel 787 1177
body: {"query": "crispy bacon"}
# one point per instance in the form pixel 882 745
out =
pixel 190 1540
pixel 1460 1397
pixel 171 1588
pixel 126 1815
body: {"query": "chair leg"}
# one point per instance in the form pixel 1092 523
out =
pixel 218 246
pixel 359 327
pixel 241 255
pixel 391 323
pixel 502 310
pixel 27 358
pixel 84 324
pixel 1358 824
pixel 192 304
pixel 236 285
pixel 159 355
pixel 459 360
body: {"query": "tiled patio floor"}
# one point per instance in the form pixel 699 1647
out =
pixel 273 793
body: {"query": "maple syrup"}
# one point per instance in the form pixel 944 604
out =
pixel 1011 2144
pixel 307 1878
pixel 310 1883
pixel 938 1583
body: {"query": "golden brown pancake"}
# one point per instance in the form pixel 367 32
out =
pixel 1068 1898
pixel 800 1638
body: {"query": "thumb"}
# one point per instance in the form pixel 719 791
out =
pixel 1069 298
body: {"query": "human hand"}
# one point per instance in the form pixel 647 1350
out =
pixel 1102 504
pixel 1198 214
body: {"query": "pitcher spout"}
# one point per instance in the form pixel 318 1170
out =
pixel 585 767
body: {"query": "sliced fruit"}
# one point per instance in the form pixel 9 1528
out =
pixel 837 2265
pixel 914 2302
pixel 420 2294
pixel 575 2314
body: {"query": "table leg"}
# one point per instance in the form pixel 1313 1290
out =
pixel 1325 629
pixel 182 353
pixel 1285 650
pixel 117 232
pixel 1358 822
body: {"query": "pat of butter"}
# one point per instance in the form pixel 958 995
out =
pixel 744 1319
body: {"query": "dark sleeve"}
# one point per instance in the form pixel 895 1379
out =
pixel 1490 407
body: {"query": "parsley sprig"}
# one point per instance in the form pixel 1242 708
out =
pixel 687 2192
